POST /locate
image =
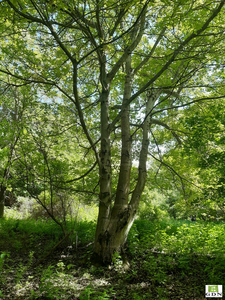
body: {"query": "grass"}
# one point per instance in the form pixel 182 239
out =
pixel 168 260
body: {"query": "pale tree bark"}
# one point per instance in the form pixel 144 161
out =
pixel 104 175
pixel 111 230
pixel 105 158
pixel 113 236
pixel 108 237
pixel 142 169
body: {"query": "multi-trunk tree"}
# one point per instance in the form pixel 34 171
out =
pixel 120 67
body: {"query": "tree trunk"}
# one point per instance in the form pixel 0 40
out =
pixel 113 228
pixel 114 223
pixel 2 201
pixel 113 236
pixel 104 175
pixel 111 233
pixel 142 169
pixel 105 158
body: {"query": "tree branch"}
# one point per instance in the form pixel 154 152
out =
pixel 118 20
pixel 172 169
pixel 144 61
pixel 26 16
pixel 29 81
pixel 169 62
pixel 82 176
pixel 189 103
pixel 80 113
pixel 130 48
pixel 81 17
pixel 158 122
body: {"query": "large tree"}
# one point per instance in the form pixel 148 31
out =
pixel 117 65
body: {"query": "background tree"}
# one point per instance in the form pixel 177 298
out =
pixel 194 170
pixel 207 145
pixel 13 104
pixel 48 169
pixel 144 57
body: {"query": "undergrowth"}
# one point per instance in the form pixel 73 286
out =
pixel 168 260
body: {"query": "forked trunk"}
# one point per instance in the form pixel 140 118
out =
pixel 112 228
pixel 112 237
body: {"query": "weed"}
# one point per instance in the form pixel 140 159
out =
pixel 45 286
pixel 89 293
pixel 3 256
pixel 2 259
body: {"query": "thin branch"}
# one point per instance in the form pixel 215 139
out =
pixel 158 122
pixel 144 61
pixel 157 145
pixel 172 169
pixel 29 81
pixel 189 103
pixel 26 16
pixel 130 48
pixel 59 42
pixel 102 45
pixel 81 16
pixel 117 22
pixel 169 62
pixel 82 176
pixel 80 113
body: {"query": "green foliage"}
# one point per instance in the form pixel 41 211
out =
pixel 46 287
pixel 62 123
pixel 90 293
pixel 153 206
pixel 165 256
pixel 117 262
pixel 183 237
pixel 22 269
pixel 133 239
pixel 2 259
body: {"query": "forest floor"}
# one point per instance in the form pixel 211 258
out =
pixel 68 273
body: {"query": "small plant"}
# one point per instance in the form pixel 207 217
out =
pixel 85 295
pixel 31 257
pixel 46 276
pixel 21 269
pixel 3 276
pixel 2 259
pixel 136 296
pixel 117 261
pixel 61 266
pixel 90 294
pixel 46 286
